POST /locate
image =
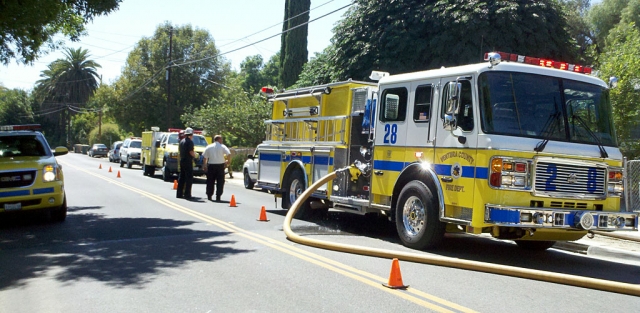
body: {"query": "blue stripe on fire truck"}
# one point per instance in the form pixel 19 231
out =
pixel 42 190
pixel 14 193
pixel 305 159
pixel 441 169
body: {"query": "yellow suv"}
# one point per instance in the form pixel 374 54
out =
pixel 30 176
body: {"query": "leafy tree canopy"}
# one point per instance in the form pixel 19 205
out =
pixel 15 107
pixel 27 26
pixel 622 60
pixel 197 74
pixel 607 14
pixel 411 35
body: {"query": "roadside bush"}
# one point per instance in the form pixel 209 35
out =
pixel 110 134
pixel 237 161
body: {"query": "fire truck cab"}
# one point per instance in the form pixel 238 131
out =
pixel 518 147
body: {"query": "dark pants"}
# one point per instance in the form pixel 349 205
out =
pixel 185 180
pixel 215 173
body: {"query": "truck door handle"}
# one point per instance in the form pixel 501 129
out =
pixel 379 173
pixel 446 179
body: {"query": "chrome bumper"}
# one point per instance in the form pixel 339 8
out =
pixel 530 217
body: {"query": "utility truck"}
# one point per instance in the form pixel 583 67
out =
pixel 518 147
pixel 160 151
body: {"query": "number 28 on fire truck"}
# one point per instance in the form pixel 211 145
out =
pixel 518 147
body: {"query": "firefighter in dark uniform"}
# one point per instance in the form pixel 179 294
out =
pixel 187 154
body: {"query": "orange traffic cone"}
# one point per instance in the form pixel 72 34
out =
pixel 233 201
pixel 175 184
pixel 263 215
pixel 118 174
pixel 110 169
pixel 100 167
pixel 395 278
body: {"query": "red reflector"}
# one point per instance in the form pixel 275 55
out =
pixel 521 167
pixel 495 179
pixel 365 188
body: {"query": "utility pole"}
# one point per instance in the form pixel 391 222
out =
pixel 100 125
pixel 169 78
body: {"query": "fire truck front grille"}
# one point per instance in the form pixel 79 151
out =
pixel 569 180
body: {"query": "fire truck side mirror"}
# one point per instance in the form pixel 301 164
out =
pixel 453 103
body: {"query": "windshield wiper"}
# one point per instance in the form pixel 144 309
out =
pixel 603 152
pixel 548 130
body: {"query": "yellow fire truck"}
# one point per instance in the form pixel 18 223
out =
pixel 160 152
pixel 518 147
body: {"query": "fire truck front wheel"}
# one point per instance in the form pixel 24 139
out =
pixel 417 219
pixel 294 188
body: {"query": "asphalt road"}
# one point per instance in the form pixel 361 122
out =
pixel 129 245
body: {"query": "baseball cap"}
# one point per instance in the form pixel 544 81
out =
pixel 188 131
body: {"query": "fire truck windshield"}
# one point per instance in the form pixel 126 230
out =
pixel 545 107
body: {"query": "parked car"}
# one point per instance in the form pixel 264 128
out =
pixel 31 179
pixel 250 169
pixel 98 150
pixel 114 153
pixel 130 151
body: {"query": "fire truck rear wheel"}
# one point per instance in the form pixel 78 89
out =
pixel 294 188
pixel 535 245
pixel 417 219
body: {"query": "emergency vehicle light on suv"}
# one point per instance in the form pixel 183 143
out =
pixel 21 127
pixel 538 61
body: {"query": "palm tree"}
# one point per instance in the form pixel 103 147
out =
pixel 67 83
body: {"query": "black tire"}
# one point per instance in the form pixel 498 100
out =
pixel 417 221
pixel 145 169
pixel 121 163
pixel 534 245
pixel 129 162
pixel 294 187
pixel 247 180
pixel 59 214
pixel 166 175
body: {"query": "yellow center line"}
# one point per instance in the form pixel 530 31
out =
pixel 330 264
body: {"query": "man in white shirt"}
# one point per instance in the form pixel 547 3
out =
pixel 214 160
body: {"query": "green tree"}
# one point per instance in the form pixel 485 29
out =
pixel 622 60
pixel 580 29
pixel 251 71
pixel 319 70
pixel 27 27
pixel 607 14
pixel 270 71
pixel 410 35
pixel 197 74
pixel 294 46
pixel 233 113
pixel 15 107
pixel 64 89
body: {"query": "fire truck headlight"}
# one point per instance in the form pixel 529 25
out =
pixel 518 181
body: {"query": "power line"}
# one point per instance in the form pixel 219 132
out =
pixel 265 39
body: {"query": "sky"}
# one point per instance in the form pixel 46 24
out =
pixel 231 23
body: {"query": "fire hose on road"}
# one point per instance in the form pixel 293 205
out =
pixel 572 280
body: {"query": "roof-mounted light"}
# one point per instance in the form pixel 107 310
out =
pixel 33 127
pixel 266 90
pixel 377 75
pixel 491 57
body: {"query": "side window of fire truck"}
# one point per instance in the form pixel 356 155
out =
pixel 464 117
pixel 394 104
pixel 422 104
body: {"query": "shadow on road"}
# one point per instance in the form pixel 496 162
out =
pixel 473 248
pixel 116 251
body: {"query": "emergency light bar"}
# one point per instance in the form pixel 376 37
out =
pixel 34 127
pixel 540 62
